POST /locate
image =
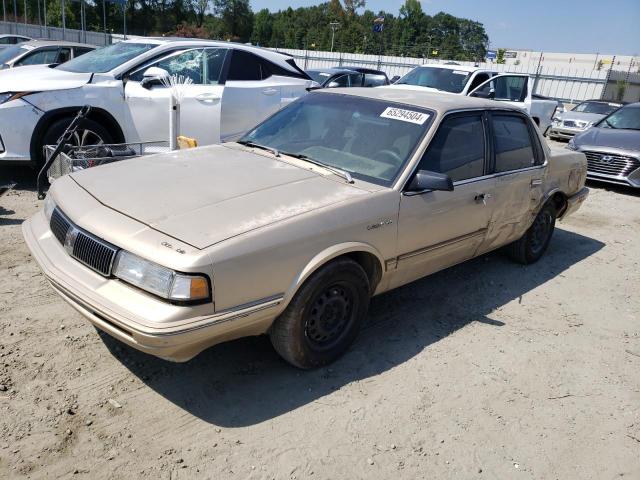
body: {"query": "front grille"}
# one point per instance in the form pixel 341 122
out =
pixel 92 252
pixel 610 164
pixel 59 225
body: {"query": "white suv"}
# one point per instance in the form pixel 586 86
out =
pixel 234 88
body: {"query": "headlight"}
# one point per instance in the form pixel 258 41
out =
pixel 160 280
pixel 8 96
pixel 572 145
pixel 49 205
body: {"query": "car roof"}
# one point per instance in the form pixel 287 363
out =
pixel 598 100
pixel 365 70
pixel 332 70
pixel 464 68
pixel 4 35
pixel 54 43
pixel 440 102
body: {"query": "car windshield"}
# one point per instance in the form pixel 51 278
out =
pixel 596 107
pixel 107 58
pixel 445 79
pixel 317 76
pixel 627 118
pixel 370 139
pixel 9 53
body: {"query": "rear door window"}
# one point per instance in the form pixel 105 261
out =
pixel 513 146
pixel 458 148
pixel 374 80
pixel 247 66
pixel 64 55
pixel 40 57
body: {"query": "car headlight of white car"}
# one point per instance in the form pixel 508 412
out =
pixel 159 280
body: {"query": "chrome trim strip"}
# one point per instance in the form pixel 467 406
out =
pixel 446 243
pixel 224 316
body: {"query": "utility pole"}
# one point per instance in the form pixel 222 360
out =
pixel 334 26
pixel 25 12
pixel 4 11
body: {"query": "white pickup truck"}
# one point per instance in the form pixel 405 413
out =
pixel 513 88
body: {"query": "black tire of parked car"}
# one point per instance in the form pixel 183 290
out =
pixel 324 316
pixel 532 245
pixel 88 133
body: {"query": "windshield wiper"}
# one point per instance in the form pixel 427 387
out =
pixel 248 143
pixel 609 123
pixel 341 173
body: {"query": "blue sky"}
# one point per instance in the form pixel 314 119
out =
pixel 587 26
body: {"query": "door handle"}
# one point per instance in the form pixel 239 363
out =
pixel 536 182
pixel 482 197
pixel 208 97
pixel 270 91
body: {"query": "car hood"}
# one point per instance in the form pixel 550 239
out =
pixel 210 194
pixel 40 78
pixel 609 137
pixel 581 116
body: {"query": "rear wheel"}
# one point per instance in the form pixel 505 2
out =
pixel 532 245
pixel 324 316
pixel 88 133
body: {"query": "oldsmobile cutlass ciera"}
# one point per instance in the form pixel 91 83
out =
pixel 344 194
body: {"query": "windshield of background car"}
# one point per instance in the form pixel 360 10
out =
pixel 625 118
pixel 369 138
pixel 596 107
pixel 441 78
pixel 106 59
pixel 319 77
pixel 9 53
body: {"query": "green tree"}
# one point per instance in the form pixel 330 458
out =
pixel 236 16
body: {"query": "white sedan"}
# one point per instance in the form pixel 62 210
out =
pixel 234 88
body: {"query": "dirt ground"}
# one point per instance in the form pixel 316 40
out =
pixel 486 370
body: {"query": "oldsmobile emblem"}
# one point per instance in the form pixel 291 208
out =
pixel 379 224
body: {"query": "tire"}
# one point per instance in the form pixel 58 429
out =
pixel 88 133
pixel 532 245
pixel 324 317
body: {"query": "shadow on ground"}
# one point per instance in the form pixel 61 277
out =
pixel 244 382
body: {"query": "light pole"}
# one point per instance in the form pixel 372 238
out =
pixel 334 26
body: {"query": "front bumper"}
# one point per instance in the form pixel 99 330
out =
pixel 18 120
pixel 106 304
pixel 566 133
pixel 575 202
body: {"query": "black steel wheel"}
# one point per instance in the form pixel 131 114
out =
pixel 532 245
pixel 324 316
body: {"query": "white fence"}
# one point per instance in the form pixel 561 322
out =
pixel 55 33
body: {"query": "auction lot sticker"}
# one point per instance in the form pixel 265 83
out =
pixel 405 115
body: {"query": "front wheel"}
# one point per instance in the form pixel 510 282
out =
pixel 88 133
pixel 532 245
pixel 324 316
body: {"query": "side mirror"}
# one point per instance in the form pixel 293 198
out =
pixel 333 85
pixel 153 76
pixel 424 180
pixel 394 79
